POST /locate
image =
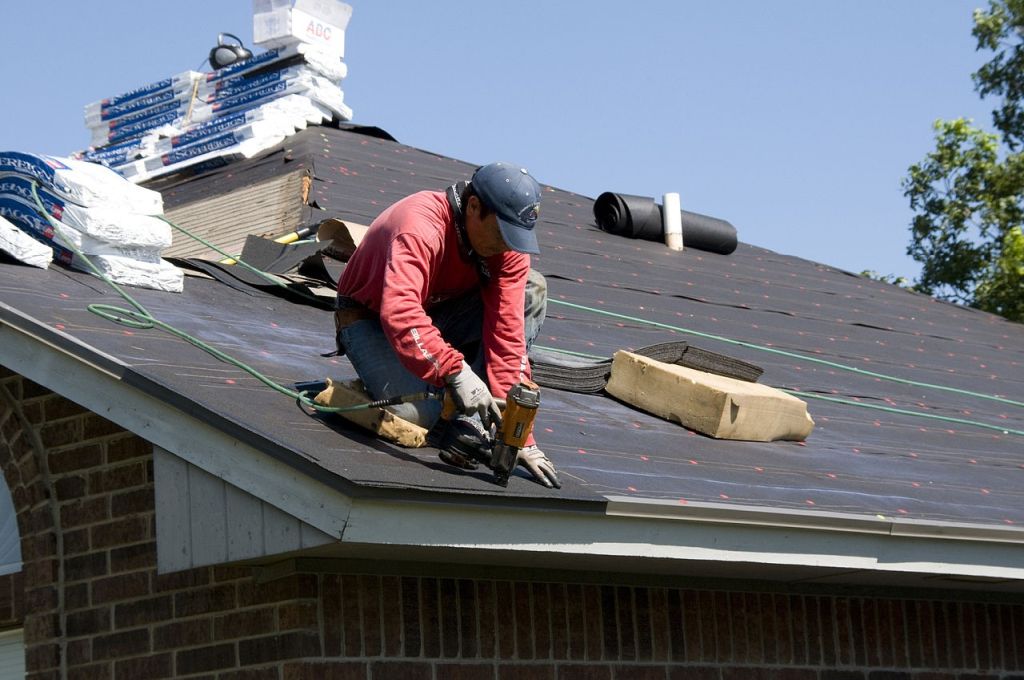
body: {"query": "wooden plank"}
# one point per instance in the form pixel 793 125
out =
pixel 720 407
pixel 379 421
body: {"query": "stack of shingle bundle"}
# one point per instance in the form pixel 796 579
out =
pixel 213 118
pixel 94 210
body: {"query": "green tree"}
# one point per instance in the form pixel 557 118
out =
pixel 968 194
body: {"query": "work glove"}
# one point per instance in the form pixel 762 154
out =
pixel 472 397
pixel 539 465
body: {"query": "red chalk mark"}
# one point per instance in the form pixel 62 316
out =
pixel 902 511
pixel 831 475
pixel 693 462
pixel 856 450
pixel 65 296
pixel 801 443
pixel 548 430
pixel 723 496
pixel 229 381
pixel 759 469
pixel 913 455
pixel 59 326
pixel 581 452
pixel 1008 521
pixel 986 491
pixel 644 458
pixel 972 461
pixel 274 325
pixel 128 333
pixel 632 488
pixel 683 501
pixel 809 502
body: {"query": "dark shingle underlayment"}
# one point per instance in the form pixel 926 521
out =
pixel 858 460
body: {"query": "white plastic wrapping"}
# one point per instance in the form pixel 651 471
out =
pixel 158 275
pixel 140 171
pixel 23 247
pixel 26 215
pixel 100 223
pixel 86 184
pixel 84 211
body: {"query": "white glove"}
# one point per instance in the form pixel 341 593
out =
pixel 472 397
pixel 539 465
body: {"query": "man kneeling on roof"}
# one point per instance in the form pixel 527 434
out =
pixel 440 294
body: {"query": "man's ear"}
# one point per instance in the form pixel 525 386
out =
pixel 473 204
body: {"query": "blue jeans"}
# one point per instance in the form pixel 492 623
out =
pixel 460 322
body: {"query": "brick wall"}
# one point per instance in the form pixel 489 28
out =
pixel 94 608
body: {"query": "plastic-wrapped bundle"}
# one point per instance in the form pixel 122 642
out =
pixel 142 97
pixel 86 184
pixel 231 113
pixel 184 99
pixel 89 209
pixel 243 142
pixel 100 223
pixel 26 215
pixel 127 265
pixel 315 87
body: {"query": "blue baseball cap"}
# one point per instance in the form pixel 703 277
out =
pixel 514 196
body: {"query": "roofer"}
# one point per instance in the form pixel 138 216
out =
pixel 440 294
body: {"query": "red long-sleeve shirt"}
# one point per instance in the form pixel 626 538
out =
pixel 408 261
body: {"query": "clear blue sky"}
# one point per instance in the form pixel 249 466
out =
pixel 795 120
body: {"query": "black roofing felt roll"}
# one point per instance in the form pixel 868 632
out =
pixel 640 217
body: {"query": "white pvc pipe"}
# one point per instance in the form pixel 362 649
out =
pixel 672 221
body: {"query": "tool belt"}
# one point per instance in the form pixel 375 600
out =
pixel 348 311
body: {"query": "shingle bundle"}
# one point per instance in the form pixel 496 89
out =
pixel 212 118
pixel 590 376
pixel 96 211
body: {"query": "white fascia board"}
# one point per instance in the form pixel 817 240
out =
pixel 614 536
pixel 627 506
pixel 101 391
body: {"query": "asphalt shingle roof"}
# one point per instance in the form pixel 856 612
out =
pixel 857 460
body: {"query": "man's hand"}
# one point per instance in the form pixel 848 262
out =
pixel 472 396
pixel 540 466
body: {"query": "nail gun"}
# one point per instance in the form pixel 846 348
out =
pixel 519 410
